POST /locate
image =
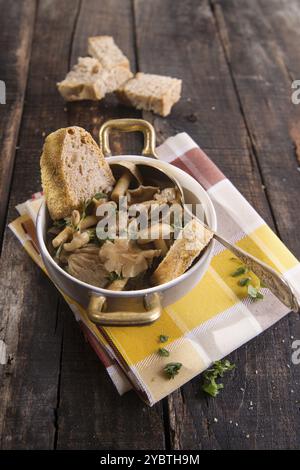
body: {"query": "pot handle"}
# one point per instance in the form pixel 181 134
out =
pixel 97 314
pixel 128 125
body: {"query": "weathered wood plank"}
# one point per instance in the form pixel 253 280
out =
pixel 16 27
pixel 92 415
pixel 221 128
pixel 29 323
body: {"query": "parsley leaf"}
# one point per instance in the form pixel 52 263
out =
pixel 254 292
pixel 163 352
pixel 100 196
pixel 244 281
pixel 172 369
pixel 113 276
pixel 163 338
pixel 239 271
pixel 210 386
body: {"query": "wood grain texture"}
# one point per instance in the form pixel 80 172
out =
pixel 30 326
pixel 237 61
pixel 243 416
pixel 95 410
pixel 16 27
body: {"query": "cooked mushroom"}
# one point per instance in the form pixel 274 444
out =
pixel 84 264
pixel 62 237
pixel 79 240
pixel 154 232
pixel 128 172
pixel 141 194
pixel 125 258
pixel 167 195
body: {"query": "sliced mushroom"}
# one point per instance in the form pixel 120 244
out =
pixel 125 258
pixel 125 173
pixel 85 265
pixel 141 194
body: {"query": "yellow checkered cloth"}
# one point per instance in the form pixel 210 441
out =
pixel 215 318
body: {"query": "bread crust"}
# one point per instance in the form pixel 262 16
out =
pixel 182 253
pixel 59 194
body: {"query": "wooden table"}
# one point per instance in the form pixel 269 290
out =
pixel 237 61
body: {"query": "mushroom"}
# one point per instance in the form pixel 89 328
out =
pixel 167 195
pixel 125 258
pixel 141 194
pixel 125 173
pixel 79 240
pixel 87 222
pixel 84 264
pixel 153 233
pixel 62 237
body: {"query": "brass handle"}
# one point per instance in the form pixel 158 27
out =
pixel 128 125
pixel 97 314
pixel 276 283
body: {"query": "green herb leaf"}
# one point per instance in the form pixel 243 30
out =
pixel 259 295
pixel 252 291
pixel 172 369
pixel 163 338
pixel 113 276
pixel 244 281
pixel 59 223
pixel 212 388
pixel 218 369
pixel 58 251
pixel 239 271
pixel 100 196
pixel 163 352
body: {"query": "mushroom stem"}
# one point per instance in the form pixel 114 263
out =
pixel 154 233
pixel 161 245
pixel 62 237
pixel 121 186
pixel 79 240
pixel 118 284
pixel 87 222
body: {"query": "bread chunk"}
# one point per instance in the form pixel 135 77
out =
pixel 73 170
pixel 151 93
pixel 194 238
pixel 104 49
pixel 89 80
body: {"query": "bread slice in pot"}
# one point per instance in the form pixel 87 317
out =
pixel 73 170
pixel 194 238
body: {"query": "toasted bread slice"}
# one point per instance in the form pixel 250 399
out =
pixel 194 238
pixel 151 92
pixel 104 49
pixel 73 170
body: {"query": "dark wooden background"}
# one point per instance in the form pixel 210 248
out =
pixel 237 61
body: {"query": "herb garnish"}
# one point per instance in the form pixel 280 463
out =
pixel 172 369
pixel 244 281
pixel 163 352
pixel 100 196
pixel 239 271
pixel 254 293
pixel 210 386
pixel 113 276
pixel 163 338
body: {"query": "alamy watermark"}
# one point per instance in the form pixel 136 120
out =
pixel 296 353
pixel 296 93
pixel 2 92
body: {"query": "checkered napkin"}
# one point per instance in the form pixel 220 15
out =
pixel 215 318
